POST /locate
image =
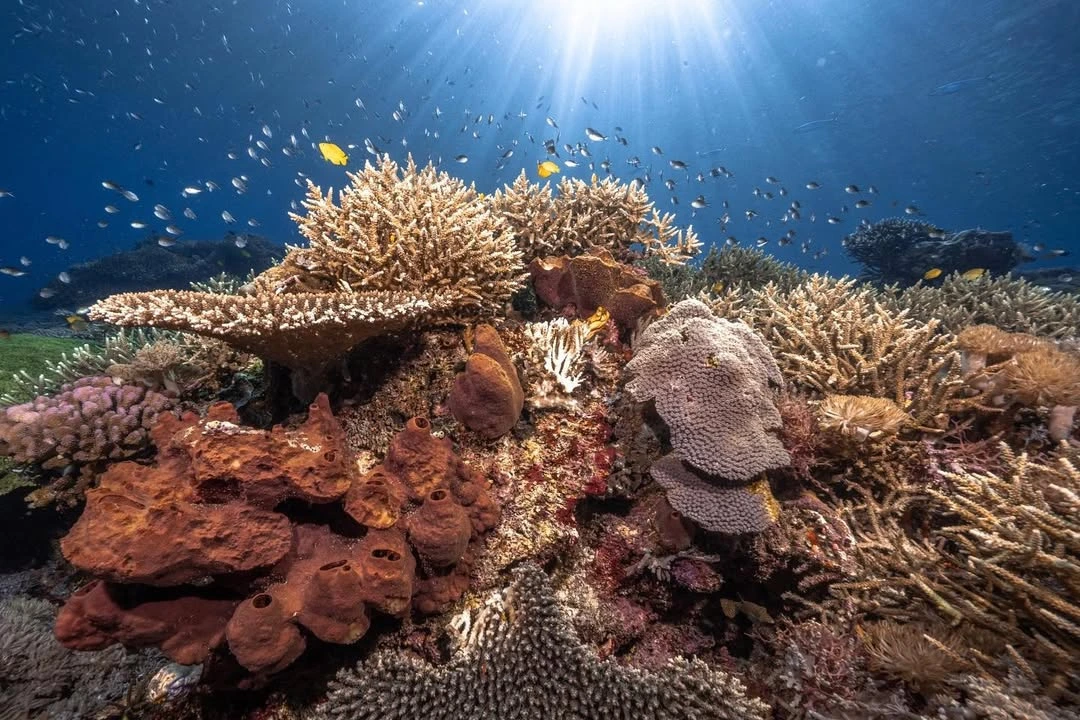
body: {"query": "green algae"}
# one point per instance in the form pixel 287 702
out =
pixel 32 354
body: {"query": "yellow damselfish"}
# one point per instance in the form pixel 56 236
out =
pixel 333 154
pixel 931 274
pixel 546 168
pixel 973 273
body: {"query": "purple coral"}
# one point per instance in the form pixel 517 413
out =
pixel 89 420
pixel 713 382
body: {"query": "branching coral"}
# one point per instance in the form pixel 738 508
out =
pixel 519 657
pixel 1012 304
pixel 556 362
pixel 833 337
pixel 400 246
pixel 1003 554
pixel 602 214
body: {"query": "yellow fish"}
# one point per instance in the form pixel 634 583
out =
pixel 718 287
pixel 77 323
pixel 333 154
pixel 546 168
pixel 973 273
pixel 931 274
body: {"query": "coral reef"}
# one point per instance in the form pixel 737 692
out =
pixel 149 266
pixel 198 549
pixel 1004 560
pixel 401 246
pixel 602 214
pixel 487 396
pixel 898 250
pixel 88 423
pixel 1010 303
pixel 39 678
pixel 519 657
pixel 830 336
pixel 595 280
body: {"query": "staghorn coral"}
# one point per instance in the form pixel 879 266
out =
pixel 487 397
pixel 520 657
pixel 832 336
pixel 901 250
pixel 1012 304
pixel 400 246
pixel 1001 555
pixel 713 382
pixel 599 214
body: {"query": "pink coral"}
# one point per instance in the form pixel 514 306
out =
pixel 89 420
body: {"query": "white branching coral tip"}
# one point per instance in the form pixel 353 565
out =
pixel 557 356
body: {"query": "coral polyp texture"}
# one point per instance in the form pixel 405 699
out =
pixel 86 424
pixel 519 657
pixel 198 551
pixel 401 246
pixel 714 384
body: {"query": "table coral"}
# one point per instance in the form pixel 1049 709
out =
pixel 399 247
pixel 487 396
pixel 211 520
pixel 520 657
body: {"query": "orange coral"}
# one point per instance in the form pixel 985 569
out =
pixel 595 280
pixel 211 507
pixel 487 397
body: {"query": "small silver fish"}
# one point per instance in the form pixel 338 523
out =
pixel 461 158
pixel 698 202
pixel 595 135
pixel 227 217
pixel 12 271
pixel 138 224
pixel 64 278
pixel 162 213
pixel 112 209
pixel 166 241
pixel 190 214
pixel 129 195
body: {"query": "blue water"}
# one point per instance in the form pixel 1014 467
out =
pixel 715 83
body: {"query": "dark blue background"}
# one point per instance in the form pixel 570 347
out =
pixel 730 76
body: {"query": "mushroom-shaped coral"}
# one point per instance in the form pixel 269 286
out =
pixel 487 396
pixel 1048 378
pixel 729 509
pixel 861 417
pixel 984 345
